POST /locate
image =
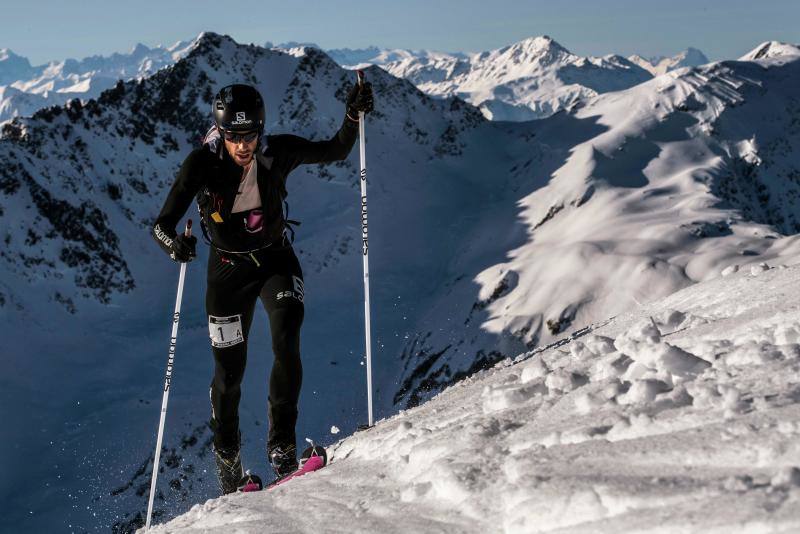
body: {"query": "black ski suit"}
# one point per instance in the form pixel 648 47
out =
pixel 244 265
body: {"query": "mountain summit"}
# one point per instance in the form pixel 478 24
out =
pixel 691 57
pixel 533 78
pixel 772 49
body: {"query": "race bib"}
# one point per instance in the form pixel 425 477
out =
pixel 225 331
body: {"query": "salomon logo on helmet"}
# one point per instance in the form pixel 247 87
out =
pixel 239 107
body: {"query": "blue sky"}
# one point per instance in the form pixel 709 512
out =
pixel 43 30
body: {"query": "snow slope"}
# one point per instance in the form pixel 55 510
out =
pixel 682 415
pixel 24 89
pixel 531 79
pixel 638 194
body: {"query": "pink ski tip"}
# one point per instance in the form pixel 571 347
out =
pixel 312 464
pixel 251 486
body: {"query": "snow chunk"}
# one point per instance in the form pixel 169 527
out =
pixel 643 344
pixel 503 396
pixel 611 366
pixel 752 352
pixel 563 381
pixel 644 391
pixel 730 269
pixel 755 270
pixel 588 403
pixel 534 370
pixel 786 478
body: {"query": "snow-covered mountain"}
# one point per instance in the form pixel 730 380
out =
pixel 691 57
pixel 530 79
pixel 772 49
pixel 631 197
pixel 488 239
pixel 79 187
pixel 25 89
pixel 533 78
pixel 352 58
pixel 13 67
pixel 679 416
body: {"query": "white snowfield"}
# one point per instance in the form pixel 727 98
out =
pixel 679 416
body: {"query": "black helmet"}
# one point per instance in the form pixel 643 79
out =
pixel 239 108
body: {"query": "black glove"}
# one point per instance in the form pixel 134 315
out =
pixel 359 99
pixel 183 248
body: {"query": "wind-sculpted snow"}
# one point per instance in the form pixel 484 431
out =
pixel 679 416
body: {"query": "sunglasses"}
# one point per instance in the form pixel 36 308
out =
pixel 247 137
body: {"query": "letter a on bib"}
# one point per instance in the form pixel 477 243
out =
pixel 225 331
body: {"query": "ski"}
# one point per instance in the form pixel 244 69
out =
pixel 313 458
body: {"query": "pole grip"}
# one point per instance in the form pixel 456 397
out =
pixel 188 231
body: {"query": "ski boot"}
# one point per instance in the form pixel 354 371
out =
pixel 229 468
pixel 283 458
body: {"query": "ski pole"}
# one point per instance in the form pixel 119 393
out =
pixel 170 361
pixel 365 250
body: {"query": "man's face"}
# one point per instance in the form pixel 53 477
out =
pixel 241 146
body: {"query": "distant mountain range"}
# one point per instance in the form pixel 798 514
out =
pixel 531 79
pixel 24 88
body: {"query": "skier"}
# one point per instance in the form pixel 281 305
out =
pixel 239 179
